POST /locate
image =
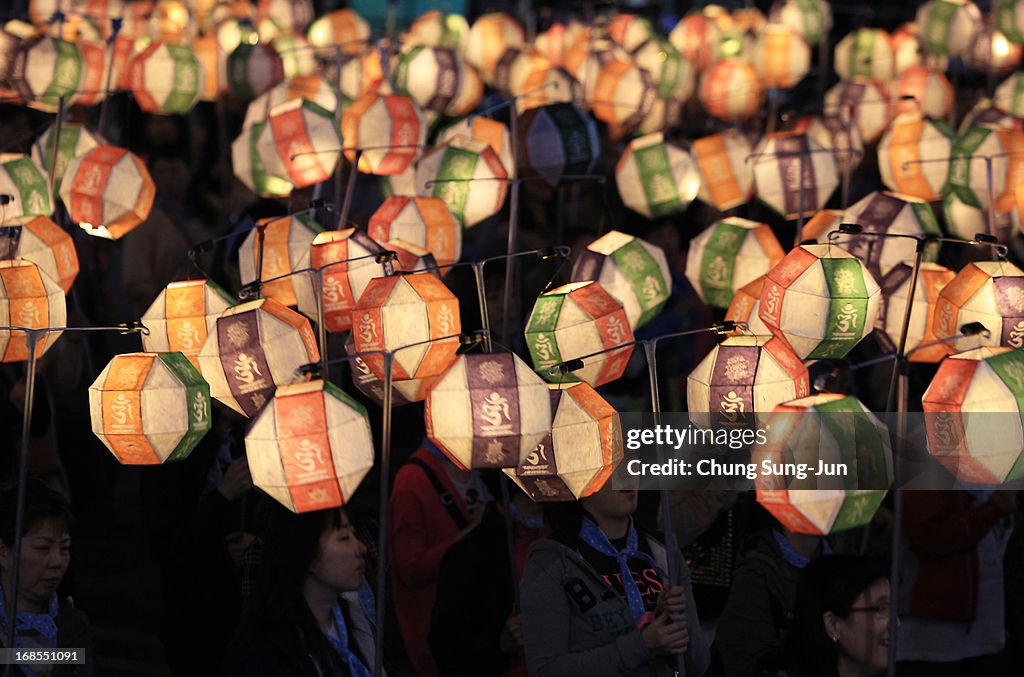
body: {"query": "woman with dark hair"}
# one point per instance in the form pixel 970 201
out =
pixel 311 611
pixel 841 623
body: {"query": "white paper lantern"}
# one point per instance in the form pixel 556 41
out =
pixel 863 103
pixel 466 174
pixel 423 221
pixel 727 180
pixel 656 177
pixel 108 191
pixel 390 130
pixel 29 298
pixel 182 317
pixel 948 27
pixel 793 173
pixel 865 53
pixel 881 212
pixel 729 254
pixel 286 248
pixel 895 290
pixel 910 154
pixel 990 292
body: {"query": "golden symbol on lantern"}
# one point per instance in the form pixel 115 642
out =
pixel 542 345
pixel 732 406
pixel 121 409
pixel 445 318
pixel 492 372
pixel 246 368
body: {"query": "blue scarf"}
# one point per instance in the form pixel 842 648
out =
pixel 44 624
pixel 592 535
pixel 523 520
pixel 340 644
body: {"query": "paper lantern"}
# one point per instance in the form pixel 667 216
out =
pixel 579 455
pixel 585 59
pixel 255 347
pixel 287 16
pixel 107 191
pixel 908 152
pixel 343 283
pixel 990 292
pixel 752 20
pixel 93 83
pixel 424 221
pixel 312 88
pixel 1008 16
pixel 495 134
pixel 515 66
pixel 821 300
pixel 831 430
pixel 549 86
pixel 436 29
pixel 340 28
pixel 488 39
pixel 992 53
pixel 467 175
pixel 794 173
pixel 555 42
pixel 437 80
pixel 741 381
pixel 698 38
pixel 781 56
pixel 574 320
pixel 286 248
pixel 972 410
pixel 836 134
pixel 969 166
pixel 47 245
pixel 930 89
pixel 862 103
pixel 655 177
pixel 948 27
pixel 31 299
pixel 1009 96
pixel 727 180
pixel 248 167
pixel 253 69
pixel 895 290
pixel 297 56
pixel 556 140
pixel 487 410
pixel 300 143
pixel 623 96
pixel 28 188
pixel 674 82
pixel 150 408
pixel 367 382
pixel 166 78
pixel 630 31
pixel 310 447
pixel 812 18
pixel 745 307
pixel 880 212
pixel 865 53
pixel 402 310
pixel 182 316
pixel 633 271
pixel 965 221
pixel 356 73
pixel 171 22
pixel 389 128
pixel 729 254
pixel 45 69
pixel 908 50
pixel 75 140
pixel 731 90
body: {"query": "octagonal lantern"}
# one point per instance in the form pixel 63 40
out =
pixel 75 139
pixel 286 248
pixel 975 153
pixel 389 129
pixel 585 59
pixel 492 132
pixel 812 18
pixel 423 221
pixel 990 292
pixel 515 67
pixel 731 90
pixel 930 88
pixel 341 27
pixel 726 179
pixel 348 260
pixel 166 78
pixel 182 317
pixel 745 307
pixel 948 27
pixel 674 83
pixel 574 320
pixel 794 173
pixel 836 134
pixel 107 191
pixel 31 299
pixel 466 174
pixel 656 177
pixel 249 168
pixel 831 430
pixel 633 271
pixel 863 103
pixel 437 80
pixel 965 221
pixel 44 69
pixel 437 29
pixel 781 56
pixel 45 244
pixel 489 37
pixel 910 154
pixel 699 37
pixel 741 381
pixel 623 96
pixel 556 140
pixel 630 31
pixel 581 452
pixel 729 254
pixel 881 212
pixel 821 299
pixel 932 278
pixel 973 410
pixel 28 188
pixel 488 410
pixel 310 447
pixel 549 86
pixel 865 53
pixel 255 347
pixel 315 88
pixel 300 143
pixel 253 69
pixel 150 408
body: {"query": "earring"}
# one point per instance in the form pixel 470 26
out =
pixel 835 639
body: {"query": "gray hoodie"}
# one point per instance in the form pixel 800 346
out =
pixel 574 624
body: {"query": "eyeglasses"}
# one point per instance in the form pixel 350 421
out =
pixel 881 611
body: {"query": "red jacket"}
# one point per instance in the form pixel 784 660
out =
pixel 420 531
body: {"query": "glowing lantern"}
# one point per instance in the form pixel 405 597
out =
pixel 965 221
pixel 833 430
pixel 150 408
pixel 45 244
pixel 211 58
pixel 310 447
pixel 92 87
pixel 296 54
pixel 633 271
pixel 880 212
pixel 495 134
pixel 343 283
pixel 745 307
pixel 28 188
pixel 832 132
pixel 865 53
pixel 581 452
pixel 895 290
pixel 488 39
pixel 742 380
pixel 674 79
pixel 170 22
pixel 577 319
pixel 969 168
pixel 556 140
pixel 630 31
pixel 811 18
pixel 253 69
pixel 286 243
pixel 555 42
pixel 728 255
pixel 990 292
pixel 930 89
pixel 422 221
pixel 908 52
pixel 726 177
pixel 183 316
pixel 401 310
pixel 862 103
pixel 731 90
pixel 752 20
pixel 287 16
pixel 656 178
pixel 1008 16
pixel 515 66
pixel 389 128
pixel 245 160
pixel 107 191
pixel 299 142
pixel 312 88
pixel 623 96
pixel 548 86
pixel 585 60
pixel 488 410
pixel 948 27
pixel 437 80
pixel 992 53
pixel 973 410
pixel 697 37
pixel 435 29
pixel 45 69
pixel 821 300
pixel 1009 96
pixel 781 56
pixel 908 152
pixel 367 382
pixel 31 299
pixel 357 73
pixel 794 173
pixel 342 27
pixel 467 175
pixel 166 78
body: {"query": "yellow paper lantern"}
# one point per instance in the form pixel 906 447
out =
pixel 182 316
pixel 286 248
pixel 390 128
pixel 422 221
pixel 31 299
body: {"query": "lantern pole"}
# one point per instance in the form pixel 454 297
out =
pixel 56 141
pixel 115 28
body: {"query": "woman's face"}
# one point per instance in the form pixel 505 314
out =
pixel 863 634
pixel 341 560
pixel 45 555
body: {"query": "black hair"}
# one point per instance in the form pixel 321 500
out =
pixel 830 583
pixel 41 503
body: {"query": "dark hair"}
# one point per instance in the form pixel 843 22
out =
pixel 828 584
pixel 41 503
